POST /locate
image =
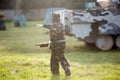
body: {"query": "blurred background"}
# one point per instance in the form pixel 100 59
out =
pixel 37 8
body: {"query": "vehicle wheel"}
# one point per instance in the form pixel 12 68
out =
pixel 117 42
pixel 104 42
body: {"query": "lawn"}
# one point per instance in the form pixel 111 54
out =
pixel 20 59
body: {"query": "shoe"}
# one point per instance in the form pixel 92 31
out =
pixel 68 73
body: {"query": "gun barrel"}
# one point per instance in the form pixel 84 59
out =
pixel 44 44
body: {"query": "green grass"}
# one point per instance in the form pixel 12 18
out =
pixel 20 59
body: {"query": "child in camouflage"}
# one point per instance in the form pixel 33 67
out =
pixel 57 46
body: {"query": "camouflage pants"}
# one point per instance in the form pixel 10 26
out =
pixel 57 56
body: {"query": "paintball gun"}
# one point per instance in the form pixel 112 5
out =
pixel 44 44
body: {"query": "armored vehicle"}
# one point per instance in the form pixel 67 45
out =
pixel 99 25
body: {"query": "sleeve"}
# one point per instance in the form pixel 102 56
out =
pixel 47 26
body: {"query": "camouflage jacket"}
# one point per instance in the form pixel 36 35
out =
pixel 56 32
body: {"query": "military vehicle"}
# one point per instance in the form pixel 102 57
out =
pixel 98 25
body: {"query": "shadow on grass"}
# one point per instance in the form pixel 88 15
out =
pixel 91 48
pixel 82 48
pixel 89 54
pixel 59 78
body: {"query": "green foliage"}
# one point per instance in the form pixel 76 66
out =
pixel 20 59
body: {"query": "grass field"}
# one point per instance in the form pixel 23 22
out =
pixel 20 59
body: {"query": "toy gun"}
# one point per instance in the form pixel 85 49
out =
pixel 44 44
